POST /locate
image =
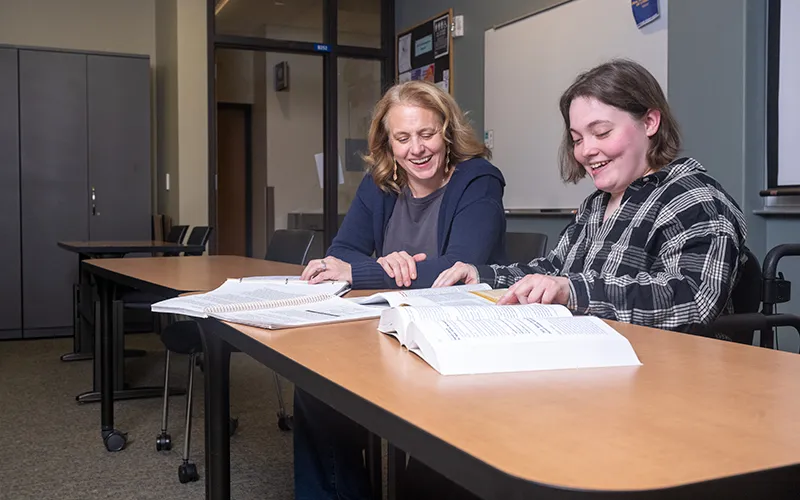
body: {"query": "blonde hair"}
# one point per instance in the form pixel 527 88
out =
pixel 457 132
pixel 625 85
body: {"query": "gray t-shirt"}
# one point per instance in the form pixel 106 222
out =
pixel 413 224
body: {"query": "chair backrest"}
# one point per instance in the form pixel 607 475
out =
pixel 746 295
pixel 198 236
pixel 175 235
pixel 290 246
pixel 524 247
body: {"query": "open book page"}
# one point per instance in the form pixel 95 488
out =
pixel 425 297
pixel 330 310
pixel 522 344
pixel 241 293
pixel 395 321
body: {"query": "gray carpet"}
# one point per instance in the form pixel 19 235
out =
pixel 50 446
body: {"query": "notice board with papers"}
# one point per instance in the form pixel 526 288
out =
pixel 425 52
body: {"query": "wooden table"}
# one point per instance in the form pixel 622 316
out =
pixel 82 336
pixel 164 276
pixel 701 418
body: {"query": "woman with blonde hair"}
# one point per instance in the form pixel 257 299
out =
pixel 430 197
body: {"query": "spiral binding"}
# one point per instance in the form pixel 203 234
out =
pixel 268 304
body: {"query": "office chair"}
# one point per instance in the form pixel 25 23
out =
pixel 524 247
pixel 760 286
pixel 290 246
pixel 183 337
pixel 175 235
pixel 198 236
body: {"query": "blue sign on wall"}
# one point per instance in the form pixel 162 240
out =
pixel 644 11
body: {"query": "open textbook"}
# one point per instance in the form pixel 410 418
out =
pixel 269 303
pixel 471 340
pixel 460 295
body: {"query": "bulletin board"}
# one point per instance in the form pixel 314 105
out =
pixel 425 52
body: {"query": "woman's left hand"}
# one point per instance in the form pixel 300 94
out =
pixel 327 269
pixel 538 289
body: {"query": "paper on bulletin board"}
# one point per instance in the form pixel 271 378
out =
pixel 404 53
pixel 319 159
pixel 441 36
pixel 423 45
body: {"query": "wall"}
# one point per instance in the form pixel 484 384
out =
pixel 468 62
pixel 167 108
pixel 122 26
pixel 192 74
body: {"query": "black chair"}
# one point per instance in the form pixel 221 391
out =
pixel 760 287
pixel 175 235
pixel 524 247
pixel 183 337
pixel 290 246
pixel 198 236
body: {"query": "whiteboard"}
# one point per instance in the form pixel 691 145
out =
pixel 528 65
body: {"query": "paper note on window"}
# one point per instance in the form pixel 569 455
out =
pixel 319 158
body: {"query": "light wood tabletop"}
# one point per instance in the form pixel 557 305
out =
pixel 698 409
pixel 190 274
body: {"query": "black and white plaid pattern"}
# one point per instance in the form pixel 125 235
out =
pixel 668 258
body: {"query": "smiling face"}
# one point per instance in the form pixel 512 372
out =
pixel 415 136
pixel 610 143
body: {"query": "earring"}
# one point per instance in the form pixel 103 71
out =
pixel 394 175
pixel 447 161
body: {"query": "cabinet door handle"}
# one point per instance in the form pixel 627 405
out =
pixel 94 202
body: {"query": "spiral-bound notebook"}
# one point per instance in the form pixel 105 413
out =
pixel 270 304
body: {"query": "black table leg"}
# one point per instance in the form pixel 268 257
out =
pixel 113 439
pixel 396 468
pixel 374 465
pixel 216 364
pixel 81 337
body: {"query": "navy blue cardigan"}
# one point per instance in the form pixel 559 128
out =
pixel 471 227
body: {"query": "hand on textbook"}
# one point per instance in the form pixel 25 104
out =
pixel 459 272
pixel 327 269
pixel 401 266
pixel 537 289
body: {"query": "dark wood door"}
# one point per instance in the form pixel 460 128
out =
pixel 233 129
pixel 55 196
pixel 10 284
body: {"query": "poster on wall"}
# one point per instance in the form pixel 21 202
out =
pixel 424 52
pixel 441 36
pixel 644 11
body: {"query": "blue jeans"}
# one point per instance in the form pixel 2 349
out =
pixel 328 460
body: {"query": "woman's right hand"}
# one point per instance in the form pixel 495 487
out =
pixel 401 266
pixel 459 272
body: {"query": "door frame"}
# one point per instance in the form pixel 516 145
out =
pixel 248 172
pixel 330 51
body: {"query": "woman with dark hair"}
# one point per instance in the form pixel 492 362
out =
pixel 660 243
pixel 430 199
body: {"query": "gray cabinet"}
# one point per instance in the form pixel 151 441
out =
pixel 55 196
pixel 83 128
pixel 10 277
pixel 119 147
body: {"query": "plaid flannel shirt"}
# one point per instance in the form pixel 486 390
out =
pixel 667 258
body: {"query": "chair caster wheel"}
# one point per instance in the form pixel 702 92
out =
pixel 233 424
pixel 285 422
pixel 164 442
pixel 187 472
pixel 115 440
